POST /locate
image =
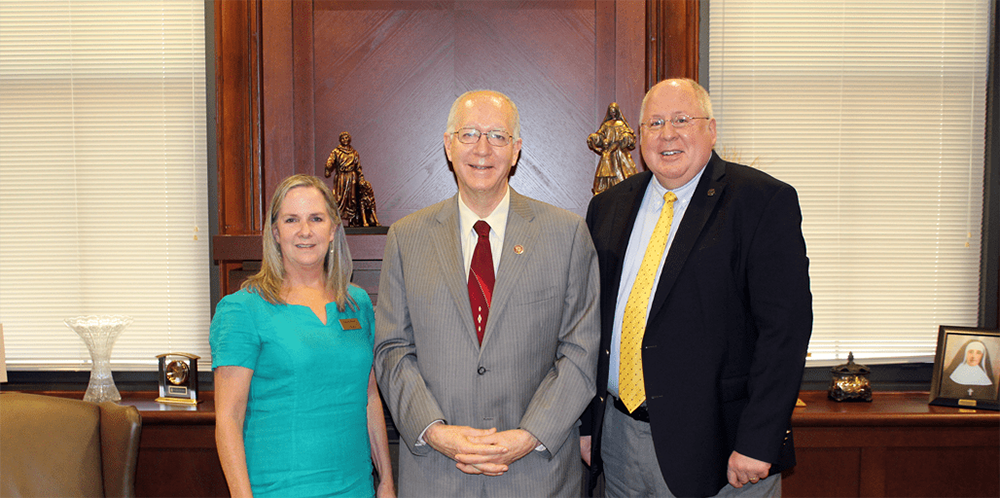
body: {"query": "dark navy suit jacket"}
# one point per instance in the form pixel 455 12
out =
pixel 727 333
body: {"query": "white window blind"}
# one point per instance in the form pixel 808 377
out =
pixel 103 179
pixel 875 112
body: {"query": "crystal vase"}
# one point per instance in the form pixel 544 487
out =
pixel 99 333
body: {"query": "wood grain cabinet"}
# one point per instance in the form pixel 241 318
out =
pixel 897 445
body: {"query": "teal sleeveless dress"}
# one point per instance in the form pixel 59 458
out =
pixel 306 430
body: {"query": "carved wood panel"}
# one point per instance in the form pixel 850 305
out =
pixel 293 74
pixel 261 72
pixel 388 71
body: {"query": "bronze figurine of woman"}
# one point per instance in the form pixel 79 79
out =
pixel 613 141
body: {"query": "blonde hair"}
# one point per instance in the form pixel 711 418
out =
pixel 338 264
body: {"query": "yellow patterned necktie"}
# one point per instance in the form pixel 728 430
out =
pixel 631 387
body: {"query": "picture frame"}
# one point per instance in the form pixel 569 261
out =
pixel 964 376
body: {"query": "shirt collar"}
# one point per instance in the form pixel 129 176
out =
pixel 684 193
pixel 497 219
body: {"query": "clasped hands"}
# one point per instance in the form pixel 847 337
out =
pixel 480 451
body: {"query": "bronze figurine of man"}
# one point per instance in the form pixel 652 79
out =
pixel 346 162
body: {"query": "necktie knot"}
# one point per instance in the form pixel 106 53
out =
pixel 482 228
pixel 669 197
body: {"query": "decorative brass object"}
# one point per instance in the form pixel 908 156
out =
pixel 612 141
pixel 355 197
pixel 366 203
pixel 850 382
pixel 178 378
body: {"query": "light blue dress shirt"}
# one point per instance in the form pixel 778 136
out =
pixel 642 231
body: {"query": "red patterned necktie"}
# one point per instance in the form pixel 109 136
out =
pixel 481 278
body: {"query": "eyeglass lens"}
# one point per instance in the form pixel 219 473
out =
pixel 496 138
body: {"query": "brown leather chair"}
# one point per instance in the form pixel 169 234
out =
pixel 52 446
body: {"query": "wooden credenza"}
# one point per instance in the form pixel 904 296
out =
pixel 896 445
pixel 177 452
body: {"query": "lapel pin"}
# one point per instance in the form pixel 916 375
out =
pixel 518 249
pixel 711 192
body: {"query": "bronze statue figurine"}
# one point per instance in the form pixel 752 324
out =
pixel 355 197
pixel 613 141
pixel 366 203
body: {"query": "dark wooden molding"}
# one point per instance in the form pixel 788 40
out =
pixel 238 65
pixel 240 248
pixel 237 248
pixel 672 38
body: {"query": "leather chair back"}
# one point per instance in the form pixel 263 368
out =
pixel 52 446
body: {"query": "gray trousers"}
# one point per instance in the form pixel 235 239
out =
pixel 631 469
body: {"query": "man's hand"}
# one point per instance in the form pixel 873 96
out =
pixel 454 440
pixel 585 449
pixel 743 469
pixel 518 443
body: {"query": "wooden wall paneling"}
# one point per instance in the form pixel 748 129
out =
pixel 261 66
pixel 630 55
pixel 872 475
pixel 279 105
pixel 294 74
pixel 605 50
pixel 671 39
pixel 238 99
pixel 630 66
pixel 904 478
pixel 383 71
pixel 388 71
pixel 179 460
pixel 238 123
pixel 305 108
pixel 246 56
pixel 823 472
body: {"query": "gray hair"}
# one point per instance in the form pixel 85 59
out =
pixel 453 113
pixel 700 94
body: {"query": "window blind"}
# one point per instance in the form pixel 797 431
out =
pixel 103 178
pixel 875 112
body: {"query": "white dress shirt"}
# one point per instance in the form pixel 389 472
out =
pixel 498 226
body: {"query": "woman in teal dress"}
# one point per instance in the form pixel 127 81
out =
pixel 297 408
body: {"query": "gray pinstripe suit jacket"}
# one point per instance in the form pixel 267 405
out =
pixel 535 369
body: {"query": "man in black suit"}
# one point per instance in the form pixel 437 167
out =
pixel 706 315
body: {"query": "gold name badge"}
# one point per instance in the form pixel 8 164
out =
pixel 350 324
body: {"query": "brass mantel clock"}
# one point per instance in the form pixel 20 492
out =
pixel 178 378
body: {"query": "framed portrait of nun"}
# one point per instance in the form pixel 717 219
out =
pixel 966 368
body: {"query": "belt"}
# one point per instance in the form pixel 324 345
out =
pixel 640 414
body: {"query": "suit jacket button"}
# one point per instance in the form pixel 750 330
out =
pixel 481 370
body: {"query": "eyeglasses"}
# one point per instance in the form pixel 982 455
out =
pixel 496 138
pixel 679 121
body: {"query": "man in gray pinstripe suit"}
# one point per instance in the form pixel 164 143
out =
pixel 494 415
